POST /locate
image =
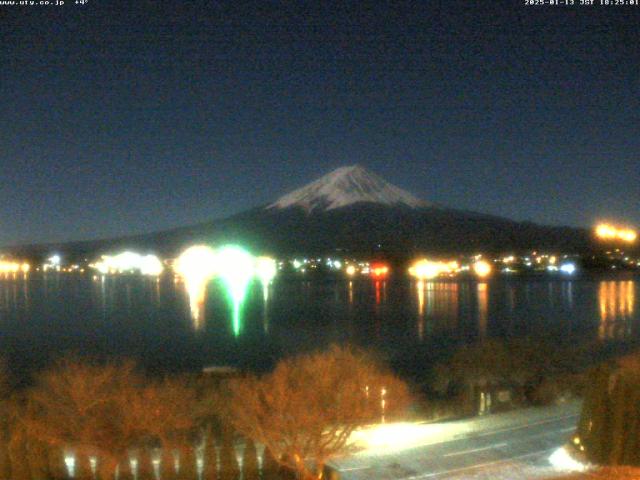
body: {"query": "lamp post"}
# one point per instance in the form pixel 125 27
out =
pixel 218 466
pixel 93 463
pixel 155 462
pixel 176 462
pixel 200 462
pixel 260 451
pixel 239 449
pixel 133 464
pixel 70 463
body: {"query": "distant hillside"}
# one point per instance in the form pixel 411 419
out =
pixel 350 210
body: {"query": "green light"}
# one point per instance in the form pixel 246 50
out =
pixel 235 267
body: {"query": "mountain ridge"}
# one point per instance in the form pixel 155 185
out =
pixel 350 210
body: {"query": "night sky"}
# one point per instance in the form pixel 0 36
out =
pixel 124 117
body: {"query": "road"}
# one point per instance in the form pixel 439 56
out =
pixel 511 446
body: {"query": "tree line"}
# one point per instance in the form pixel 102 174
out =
pixel 89 419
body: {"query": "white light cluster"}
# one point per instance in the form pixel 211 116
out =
pixel 568 268
pixel 129 262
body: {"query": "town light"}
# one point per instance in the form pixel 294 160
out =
pixel 13 267
pixel 379 270
pixel 150 265
pixel 265 269
pixel 482 268
pixel 425 269
pixel 606 231
pixel 128 261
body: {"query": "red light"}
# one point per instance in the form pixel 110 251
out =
pixel 379 270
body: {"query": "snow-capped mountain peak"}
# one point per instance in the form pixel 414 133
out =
pixel 346 186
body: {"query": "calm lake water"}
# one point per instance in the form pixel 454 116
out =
pixel 44 315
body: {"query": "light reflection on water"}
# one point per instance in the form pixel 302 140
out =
pixel 483 308
pixel 155 317
pixel 437 306
pixel 421 320
pixel 616 300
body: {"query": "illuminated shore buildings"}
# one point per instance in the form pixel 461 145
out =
pixel 426 269
pixel 236 268
pixel 14 267
pixel 129 262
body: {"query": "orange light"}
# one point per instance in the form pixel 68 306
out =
pixel 425 269
pixel 482 268
pixel 605 231
pixel 379 270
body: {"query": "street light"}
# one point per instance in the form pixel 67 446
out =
pixel 70 462
pixel 200 464
pixel 239 449
pixel 93 463
pixel 133 463
pixel 176 462
pixel 260 448
pixel 155 461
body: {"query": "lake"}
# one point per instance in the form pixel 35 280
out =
pixel 44 315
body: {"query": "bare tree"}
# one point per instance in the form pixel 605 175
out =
pixel 164 412
pixel 83 408
pixel 305 411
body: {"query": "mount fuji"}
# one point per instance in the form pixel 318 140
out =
pixel 347 186
pixel 353 211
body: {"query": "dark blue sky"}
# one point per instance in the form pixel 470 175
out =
pixel 124 117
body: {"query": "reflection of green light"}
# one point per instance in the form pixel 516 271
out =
pixel 236 318
pixel 235 267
